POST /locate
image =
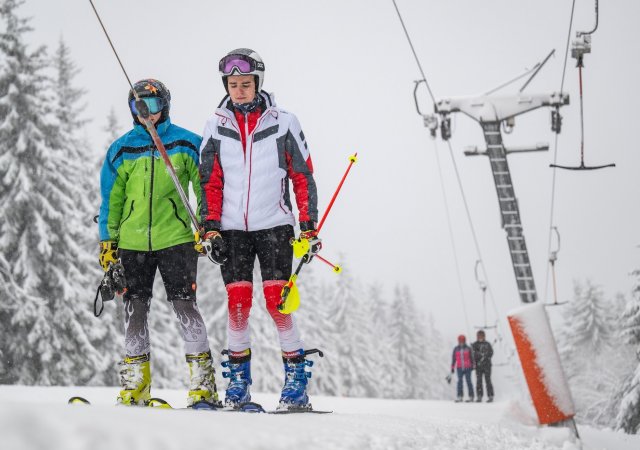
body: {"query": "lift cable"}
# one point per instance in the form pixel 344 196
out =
pixel 433 98
pixel 452 237
pixel 473 230
pixel 555 155
pixel 464 198
pixel 446 201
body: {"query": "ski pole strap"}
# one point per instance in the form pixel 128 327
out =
pixel 314 350
pixel 95 303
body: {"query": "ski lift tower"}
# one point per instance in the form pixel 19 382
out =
pixel 494 113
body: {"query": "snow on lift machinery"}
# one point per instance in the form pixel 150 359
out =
pixel 579 47
pixel 496 114
pixel 553 257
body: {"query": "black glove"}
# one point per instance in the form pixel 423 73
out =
pixel 214 247
pixel 308 232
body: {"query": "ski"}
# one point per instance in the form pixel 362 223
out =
pixel 299 411
pixel 247 407
pixel 153 403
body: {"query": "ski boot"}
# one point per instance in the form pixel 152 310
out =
pixel 135 379
pixel 202 388
pixel 294 392
pixel 458 399
pixel 478 399
pixel 490 399
pixel 239 374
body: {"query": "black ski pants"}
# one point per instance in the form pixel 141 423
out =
pixel 483 371
pixel 178 267
pixel 271 246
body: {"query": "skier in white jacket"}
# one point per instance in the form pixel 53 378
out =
pixel 250 151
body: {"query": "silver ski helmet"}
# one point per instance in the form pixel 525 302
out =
pixel 242 61
pixel 150 88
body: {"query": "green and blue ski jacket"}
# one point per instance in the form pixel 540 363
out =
pixel 141 209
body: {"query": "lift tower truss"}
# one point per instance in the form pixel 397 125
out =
pixel 492 113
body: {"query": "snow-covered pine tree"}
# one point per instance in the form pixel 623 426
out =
pixel 407 347
pixel 586 328
pixel 51 335
pixel 320 321
pixel 112 128
pixel 586 343
pixel 379 312
pixel 437 356
pixel 70 122
pixel 113 132
pixel 357 341
pixel 628 418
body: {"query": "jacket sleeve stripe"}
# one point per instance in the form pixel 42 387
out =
pixel 112 192
pixel 300 170
pixel 211 181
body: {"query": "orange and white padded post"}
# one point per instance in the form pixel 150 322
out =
pixel 540 361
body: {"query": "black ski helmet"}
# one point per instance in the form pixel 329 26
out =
pixel 230 65
pixel 150 87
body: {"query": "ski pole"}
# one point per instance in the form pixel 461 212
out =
pixel 336 268
pixel 352 159
pixel 290 287
pixel 143 109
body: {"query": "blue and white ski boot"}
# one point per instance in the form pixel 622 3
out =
pixel 294 392
pixel 239 374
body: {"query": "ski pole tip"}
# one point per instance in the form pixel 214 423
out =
pixel 337 269
pixel 354 158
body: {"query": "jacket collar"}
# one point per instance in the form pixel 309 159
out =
pixel 224 110
pixel 161 128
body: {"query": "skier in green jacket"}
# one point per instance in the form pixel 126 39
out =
pixel 144 224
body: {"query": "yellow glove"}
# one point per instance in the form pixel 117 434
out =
pixel 108 254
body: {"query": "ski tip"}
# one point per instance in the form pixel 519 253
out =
pixel 78 401
pixel 251 407
pixel 156 402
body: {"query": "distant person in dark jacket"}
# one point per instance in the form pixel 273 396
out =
pixel 462 361
pixel 482 353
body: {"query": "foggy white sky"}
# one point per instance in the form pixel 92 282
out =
pixel 346 70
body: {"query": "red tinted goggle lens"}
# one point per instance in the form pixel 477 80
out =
pixel 155 105
pixel 242 63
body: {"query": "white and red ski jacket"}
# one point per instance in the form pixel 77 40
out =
pixel 245 170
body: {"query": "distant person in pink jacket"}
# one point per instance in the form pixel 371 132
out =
pixel 462 361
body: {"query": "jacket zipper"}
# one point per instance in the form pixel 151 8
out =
pixel 151 195
pixel 246 139
pixel 250 144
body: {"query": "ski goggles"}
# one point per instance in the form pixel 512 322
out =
pixel 242 63
pixel 155 105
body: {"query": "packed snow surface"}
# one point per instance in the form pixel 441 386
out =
pixel 39 418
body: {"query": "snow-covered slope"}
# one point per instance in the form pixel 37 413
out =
pixel 39 418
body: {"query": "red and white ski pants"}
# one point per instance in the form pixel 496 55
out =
pixel 274 254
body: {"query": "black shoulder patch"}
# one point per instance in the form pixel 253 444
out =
pixel 227 132
pixel 266 133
